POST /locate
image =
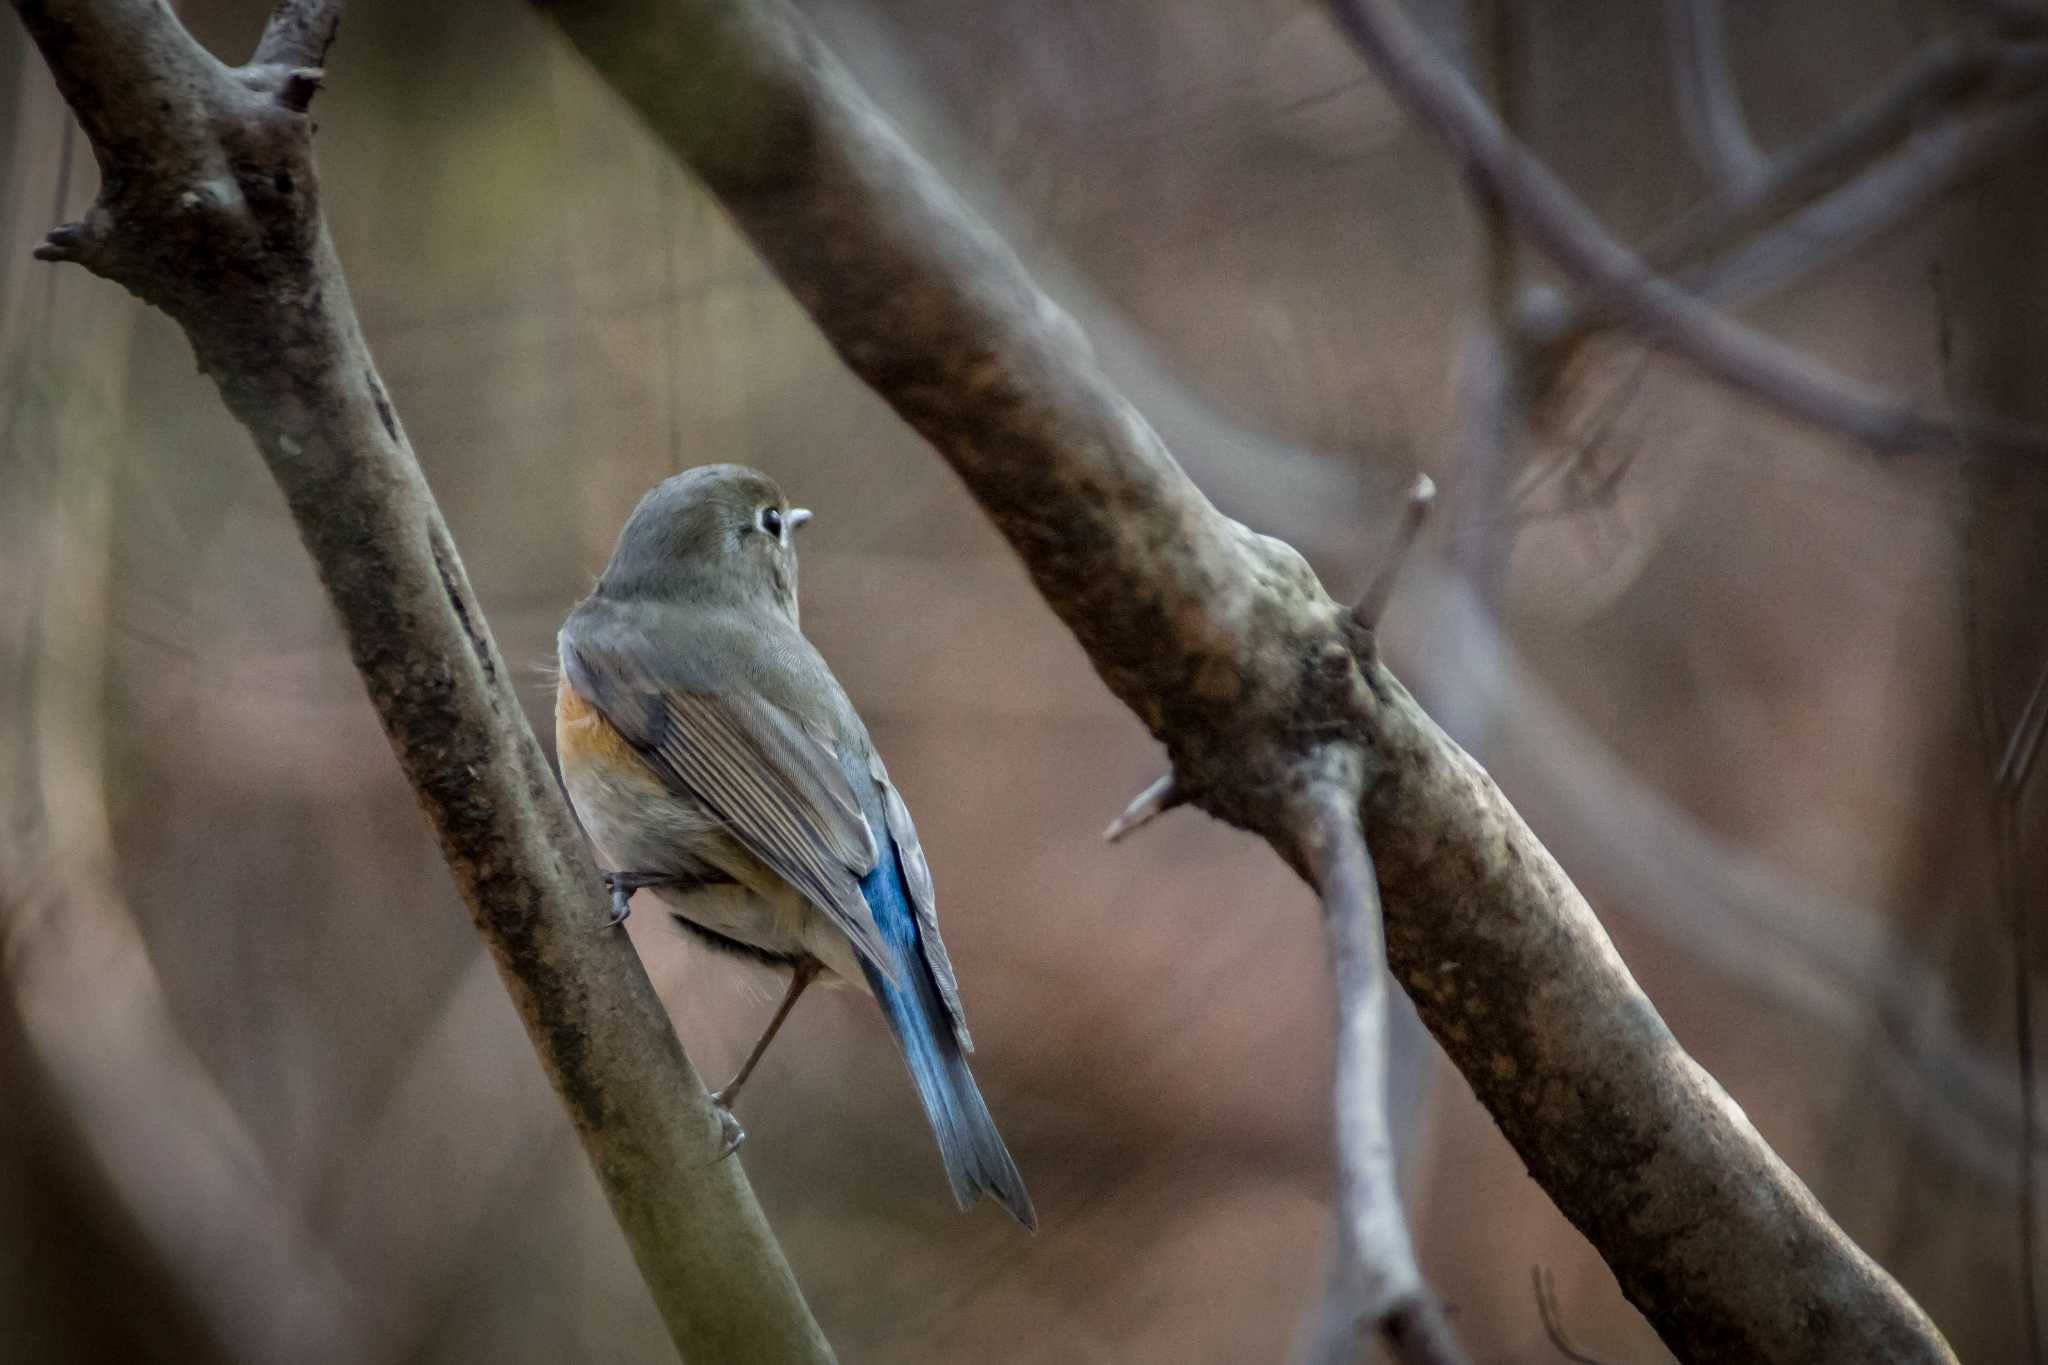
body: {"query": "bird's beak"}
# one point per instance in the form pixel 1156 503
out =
pixel 797 517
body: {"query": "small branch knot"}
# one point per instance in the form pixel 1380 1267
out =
pixel 81 243
pixel 299 87
pixel 1148 805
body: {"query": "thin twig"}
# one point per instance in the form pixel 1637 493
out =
pixel 1664 315
pixel 1374 1282
pixel 1159 797
pixel 1844 148
pixel 1547 1309
pixel 1709 107
pixel 1372 603
pixel 1930 165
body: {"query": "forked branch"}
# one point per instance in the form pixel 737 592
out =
pixel 1374 1286
pixel 209 209
pixel 1659 312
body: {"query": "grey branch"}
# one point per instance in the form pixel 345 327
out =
pixel 1942 75
pixel 1934 162
pixel 209 210
pixel 1661 313
pixel 1226 646
pixel 1374 1284
pixel 298 33
pixel 1709 105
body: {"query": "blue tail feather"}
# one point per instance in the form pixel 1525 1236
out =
pixel 976 1160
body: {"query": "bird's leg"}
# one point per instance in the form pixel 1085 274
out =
pixel 800 976
pixel 622 885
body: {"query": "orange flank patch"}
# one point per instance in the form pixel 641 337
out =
pixel 584 736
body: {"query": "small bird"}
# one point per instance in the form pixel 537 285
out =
pixel 716 762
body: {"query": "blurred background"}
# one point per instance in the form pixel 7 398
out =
pixel 261 1094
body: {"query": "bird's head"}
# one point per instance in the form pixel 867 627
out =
pixel 718 534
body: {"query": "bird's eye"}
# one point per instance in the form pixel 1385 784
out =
pixel 771 521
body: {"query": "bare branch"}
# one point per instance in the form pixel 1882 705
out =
pixel 1709 107
pixel 1228 649
pixel 1372 603
pixel 1664 315
pixel 1942 74
pixel 1148 805
pixel 1374 1284
pixel 1928 167
pixel 209 210
pixel 298 34
pixel 1953 72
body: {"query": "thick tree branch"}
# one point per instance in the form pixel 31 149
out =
pixel 1226 646
pixel 208 209
pixel 1661 313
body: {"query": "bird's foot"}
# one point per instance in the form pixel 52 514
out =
pixel 731 1134
pixel 622 885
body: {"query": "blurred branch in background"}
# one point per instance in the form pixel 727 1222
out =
pixel 99 1056
pixel 1228 649
pixel 1709 101
pixel 208 209
pixel 1663 314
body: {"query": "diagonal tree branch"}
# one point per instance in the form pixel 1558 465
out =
pixel 209 209
pixel 1228 649
pixel 1658 311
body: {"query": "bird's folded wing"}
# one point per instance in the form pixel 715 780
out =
pixel 917 874
pixel 778 792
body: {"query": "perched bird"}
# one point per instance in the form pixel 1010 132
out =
pixel 715 761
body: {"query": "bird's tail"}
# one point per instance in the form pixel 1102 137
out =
pixel 976 1160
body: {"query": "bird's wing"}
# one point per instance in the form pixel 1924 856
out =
pixel 779 792
pixel 917 875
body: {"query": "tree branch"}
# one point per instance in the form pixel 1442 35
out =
pixel 298 33
pixel 209 209
pixel 1930 165
pixel 1374 1286
pixel 1948 72
pixel 1709 108
pixel 1661 313
pixel 1228 649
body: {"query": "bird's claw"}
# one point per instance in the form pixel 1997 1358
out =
pixel 622 885
pixel 622 904
pixel 731 1135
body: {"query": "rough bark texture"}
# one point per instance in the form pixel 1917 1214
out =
pixel 1226 646
pixel 209 210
